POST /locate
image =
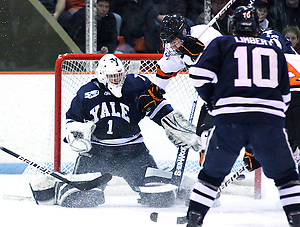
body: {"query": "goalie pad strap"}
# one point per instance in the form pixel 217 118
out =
pixel 67 196
pixel 43 189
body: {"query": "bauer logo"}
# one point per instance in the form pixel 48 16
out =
pixel 91 94
pixel 180 162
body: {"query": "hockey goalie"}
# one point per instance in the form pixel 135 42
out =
pixel 102 127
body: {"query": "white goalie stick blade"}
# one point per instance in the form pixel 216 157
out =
pixel 157 188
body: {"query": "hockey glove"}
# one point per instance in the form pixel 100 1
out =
pixel 204 143
pixel 191 46
pixel 249 160
pixel 150 98
pixel 79 135
pixel 180 131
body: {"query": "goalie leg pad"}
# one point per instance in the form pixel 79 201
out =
pixel 68 196
pixel 154 178
pixel 157 175
pixel 43 189
pixel 158 200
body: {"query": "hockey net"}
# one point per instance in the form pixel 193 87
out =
pixel 74 70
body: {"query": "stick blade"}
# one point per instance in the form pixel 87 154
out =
pixel 87 185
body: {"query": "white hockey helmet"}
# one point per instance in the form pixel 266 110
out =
pixel 111 73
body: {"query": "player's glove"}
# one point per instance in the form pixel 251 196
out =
pixel 249 160
pixel 191 46
pixel 78 135
pixel 203 141
pixel 180 131
pixel 150 98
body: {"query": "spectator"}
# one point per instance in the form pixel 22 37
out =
pixel 57 9
pixel 292 33
pixel 190 9
pixel 62 10
pixel 262 9
pixel 139 20
pixel 222 24
pixel 284 13
pixel 107 41
pixel 49 5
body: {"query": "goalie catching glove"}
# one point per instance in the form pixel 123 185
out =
pixel 149 99
pixel 249 160
pixel 180 131
pixel 191 46
pixel 79 135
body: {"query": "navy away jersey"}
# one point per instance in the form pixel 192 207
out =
pixel 116 118
pixel 245 79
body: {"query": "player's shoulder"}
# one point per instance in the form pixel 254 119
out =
pixel 91 85
pixel 223 40
pixel 89 89
pixel 136 82
pixel 204 34
pixel 198 30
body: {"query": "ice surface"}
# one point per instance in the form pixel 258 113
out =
pixel 25 121
pixel 123 210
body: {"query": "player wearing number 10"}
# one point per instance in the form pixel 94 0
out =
pixel 245 79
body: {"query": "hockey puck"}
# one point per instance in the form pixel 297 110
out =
pixel 153 216
pixel 241 177
pixel 181 220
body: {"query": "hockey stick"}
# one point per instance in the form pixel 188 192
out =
pixel 182 152
pixel 218 15
pixel 81 185
pixel 232 178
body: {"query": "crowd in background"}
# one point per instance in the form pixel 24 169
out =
pixel 133 19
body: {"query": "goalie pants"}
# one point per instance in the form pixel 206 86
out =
pixel 129 162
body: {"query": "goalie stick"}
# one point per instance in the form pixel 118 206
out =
pixel 218 15
pixel 178 169
pixel 81 185
pixel 182 152
pixel 183 219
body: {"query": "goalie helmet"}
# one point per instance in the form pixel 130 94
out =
pixel 245 21
pixel 174 26
pixel 111 73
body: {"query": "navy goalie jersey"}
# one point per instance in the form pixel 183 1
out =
pixel 245 79
pixel 116 119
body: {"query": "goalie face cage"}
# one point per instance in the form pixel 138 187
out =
pixel 74 70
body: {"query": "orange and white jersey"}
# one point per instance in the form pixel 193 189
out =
pixel 172 62
pixel 293 62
